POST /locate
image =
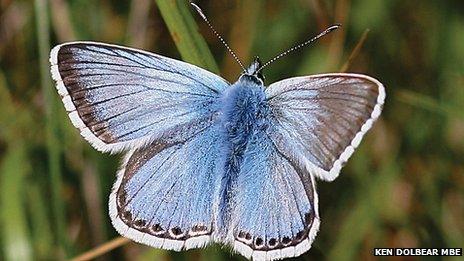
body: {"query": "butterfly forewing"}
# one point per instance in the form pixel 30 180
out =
pixel 322 118
pixel 122 98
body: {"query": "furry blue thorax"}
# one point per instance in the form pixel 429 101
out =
pixel 244 108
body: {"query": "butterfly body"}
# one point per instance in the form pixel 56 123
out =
pixel 243 115
pixel 209 161
pixel 244 112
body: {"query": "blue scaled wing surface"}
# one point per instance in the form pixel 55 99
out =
pixel 164 194
pixel 121 98
pixel 275 206
pixel 165 113
pixel 319 120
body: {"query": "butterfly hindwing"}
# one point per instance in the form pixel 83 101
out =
pixel 122 98
pixel 321 119
pixel 164 193
pixel 275 213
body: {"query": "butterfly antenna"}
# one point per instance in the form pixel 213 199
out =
pixel 200 12
pixel 294 48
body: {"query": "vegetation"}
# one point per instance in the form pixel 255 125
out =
pixel 404 186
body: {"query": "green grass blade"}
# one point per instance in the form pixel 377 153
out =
pixel 41 227
pixel 184 32
pixel 52 125
pixel 14 231
pixel 424 102
pixel 12 130
pixel 8 109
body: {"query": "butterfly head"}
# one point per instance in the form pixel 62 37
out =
pixel 253 73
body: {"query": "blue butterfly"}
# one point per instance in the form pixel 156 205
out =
pixel 209 161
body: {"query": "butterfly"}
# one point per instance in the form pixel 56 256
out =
pixel 207 160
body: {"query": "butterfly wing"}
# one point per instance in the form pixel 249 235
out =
pixel 122 98
pixel 164 194
pixel 321 119
pixel 275 213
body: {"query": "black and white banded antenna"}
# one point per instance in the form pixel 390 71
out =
pixel 294 48
pixel 200 12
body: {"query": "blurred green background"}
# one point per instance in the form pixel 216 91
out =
pixel 404 187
